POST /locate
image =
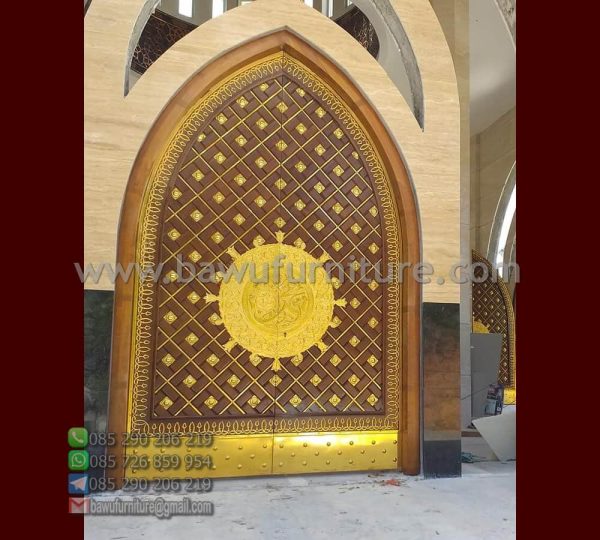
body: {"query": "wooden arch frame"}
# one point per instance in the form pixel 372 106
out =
pixel 150 152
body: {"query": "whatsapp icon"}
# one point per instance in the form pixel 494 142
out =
pixel 79 460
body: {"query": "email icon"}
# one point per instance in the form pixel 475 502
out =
pixel 79 505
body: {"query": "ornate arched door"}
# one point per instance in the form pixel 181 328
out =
pixel 274 166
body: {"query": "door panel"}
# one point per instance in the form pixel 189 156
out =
pixel 289 377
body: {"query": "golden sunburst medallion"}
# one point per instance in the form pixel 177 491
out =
pixel 276 301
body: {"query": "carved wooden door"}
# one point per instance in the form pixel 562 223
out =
pixel 290 373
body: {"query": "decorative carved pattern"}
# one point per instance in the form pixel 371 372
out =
pixel 222 198
pixel 356 23
pixel 162 31
pixel 492 310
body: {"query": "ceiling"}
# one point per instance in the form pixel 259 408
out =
pixel 492 65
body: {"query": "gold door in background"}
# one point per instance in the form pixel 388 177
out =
pixel 289 377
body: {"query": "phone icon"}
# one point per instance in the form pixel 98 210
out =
pixel 78 437
pixel 79 460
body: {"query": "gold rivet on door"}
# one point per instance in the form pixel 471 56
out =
pixel 239 466
pixel 373 460
pixel 384 451
pixel 339 452
pixel 252 456
pixel 293 454
pixel 304 463
pixel 362 451
pixel 162 450
pixel 227 457
pixel 316 453
pixel 264 465
pixel 264 445
pixel 372 442
pixel 328 462
pixel 280 445
pixel 395 459
pixel 351 461
pixel 351 443
pixel 328 443
pixel 305 445
pixel 281 463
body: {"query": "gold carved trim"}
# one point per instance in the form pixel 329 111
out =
pixel 147 251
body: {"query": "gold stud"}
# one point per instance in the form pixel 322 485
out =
pixel 334 400
pixel 240 180
pixel 173 234
pixel 301 128
pixel 279 222
pixel 336 321
pixel 373 211
pixel 335 360
pixel 373 322
pixel 336 282
pixel 299 243
pixel 201 137
pixel 320 150
pixel 260 162
pixel 338 170
pixel 337 208
pixel 338 133
pixel 372 399
pixel 260 201
pixel 320 112
pixel 295 401
pixel 166 402
pixel 170 317
pixel 372 360
pixel 198 175
pixel 355 303
pixel 196 215
pixel 213 360
pixel 319 188
pixel 280 183
pixel 297 360
pixel 337 245
pixel 239 219
pixel 258 241
pixel 191 338
pixel 275 380
pixel 242 101
pixel 354 341
pixel 356 191
pixel 282 107
pixel 354 380
pixel 167 360
pixel 373 248
pixel 300 167
pixel 373 285
pixel 262 123
pixel 355 155
pixel 218 197
pixel 315 380
pixel 319 225
pixel 355 228
pixel 193 297
pixel 241 140
pixel 300 92
pixel 299 204
pixel 189 381
pixel 281 145
pixel 210 402
pixel 221 118
pixel 233 381
pixel 253 402
pixel 172 276
pixel 194 256
pixel 176 194
pixel 264 87
pixel 220 158
pixel 217 238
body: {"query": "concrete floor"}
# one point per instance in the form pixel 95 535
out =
pixel 479 505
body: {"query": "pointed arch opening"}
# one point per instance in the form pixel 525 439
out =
pixel 271 147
